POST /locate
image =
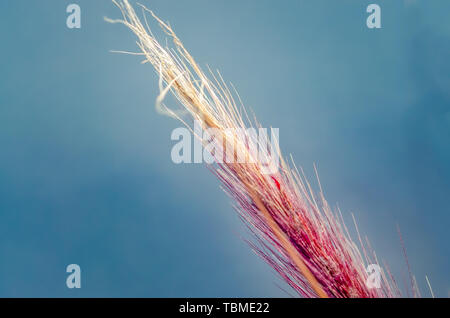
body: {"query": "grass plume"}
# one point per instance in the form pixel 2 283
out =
pixel 296 231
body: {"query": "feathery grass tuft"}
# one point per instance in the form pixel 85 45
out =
pixel 296 231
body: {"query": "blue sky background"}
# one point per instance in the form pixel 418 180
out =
pixel 85 169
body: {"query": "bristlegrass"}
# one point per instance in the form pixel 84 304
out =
pixel 296 232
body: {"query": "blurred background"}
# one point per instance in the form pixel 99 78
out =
pixel 85 169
